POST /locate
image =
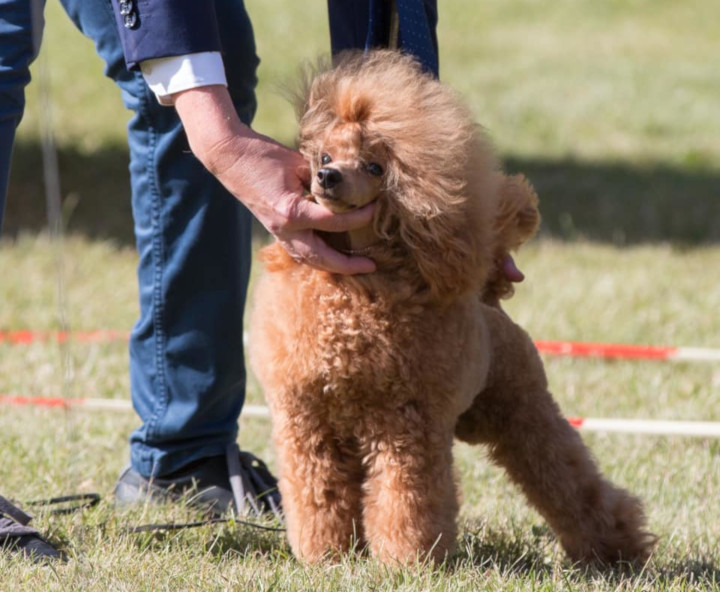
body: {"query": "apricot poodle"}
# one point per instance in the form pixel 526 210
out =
pixel 369 378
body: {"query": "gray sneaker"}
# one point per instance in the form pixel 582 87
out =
pixel 237 481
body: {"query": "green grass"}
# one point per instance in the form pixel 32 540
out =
pixel 609 107
pixel 640 294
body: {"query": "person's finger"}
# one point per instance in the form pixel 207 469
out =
pixel 336 262
pixel 303 173
pixel 309 214
pixel 309 249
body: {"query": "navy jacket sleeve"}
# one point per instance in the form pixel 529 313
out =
pixel 164 28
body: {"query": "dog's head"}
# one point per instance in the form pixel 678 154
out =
pixel 348 168
pixel 375 127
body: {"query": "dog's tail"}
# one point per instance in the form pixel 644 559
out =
pixel 517 220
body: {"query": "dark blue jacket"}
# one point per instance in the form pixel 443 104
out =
pixel 163 28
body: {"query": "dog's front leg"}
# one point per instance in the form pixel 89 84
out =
pixel 320 482
pixel 410 505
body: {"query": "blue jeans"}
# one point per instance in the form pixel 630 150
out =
pixel 193 239
pixel 20 32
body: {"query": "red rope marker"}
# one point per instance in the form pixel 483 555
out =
pixel 627 352
pixel 556 348
pixel 63 402
pixel 27 337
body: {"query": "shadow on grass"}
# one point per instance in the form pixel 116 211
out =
pixel 508 553
pixel 624 204
pixel 178 526
pixel 696 573
pixel 515 554
pixel 218 541
pixel 616 203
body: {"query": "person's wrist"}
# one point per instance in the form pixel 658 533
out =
pixel 214 131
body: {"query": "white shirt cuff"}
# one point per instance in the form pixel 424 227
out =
pixel 166 76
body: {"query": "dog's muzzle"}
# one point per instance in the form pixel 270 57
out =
pixel 328 177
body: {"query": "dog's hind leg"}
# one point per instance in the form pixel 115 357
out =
pixel 516 415
pixel 320 483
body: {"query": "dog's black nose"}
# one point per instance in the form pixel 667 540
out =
pixel 329 177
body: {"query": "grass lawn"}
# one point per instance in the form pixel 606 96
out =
pixel 611 108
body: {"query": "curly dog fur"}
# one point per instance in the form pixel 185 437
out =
pixel 369 378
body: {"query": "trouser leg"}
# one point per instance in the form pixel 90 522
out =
pixel 366 24
pixel 21 24
pixel 193 239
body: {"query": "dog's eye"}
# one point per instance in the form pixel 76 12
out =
pixel 325 159
pixel 374 169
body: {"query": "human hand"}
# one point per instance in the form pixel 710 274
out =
pixel 268 178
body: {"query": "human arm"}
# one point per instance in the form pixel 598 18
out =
pixel 240 158
pixel 267 177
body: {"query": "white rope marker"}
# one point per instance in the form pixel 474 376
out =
pixel 658 427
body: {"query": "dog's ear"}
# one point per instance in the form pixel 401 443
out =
pixel 444 222
pixel 447 254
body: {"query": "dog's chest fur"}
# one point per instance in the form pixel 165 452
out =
pixel 346 353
